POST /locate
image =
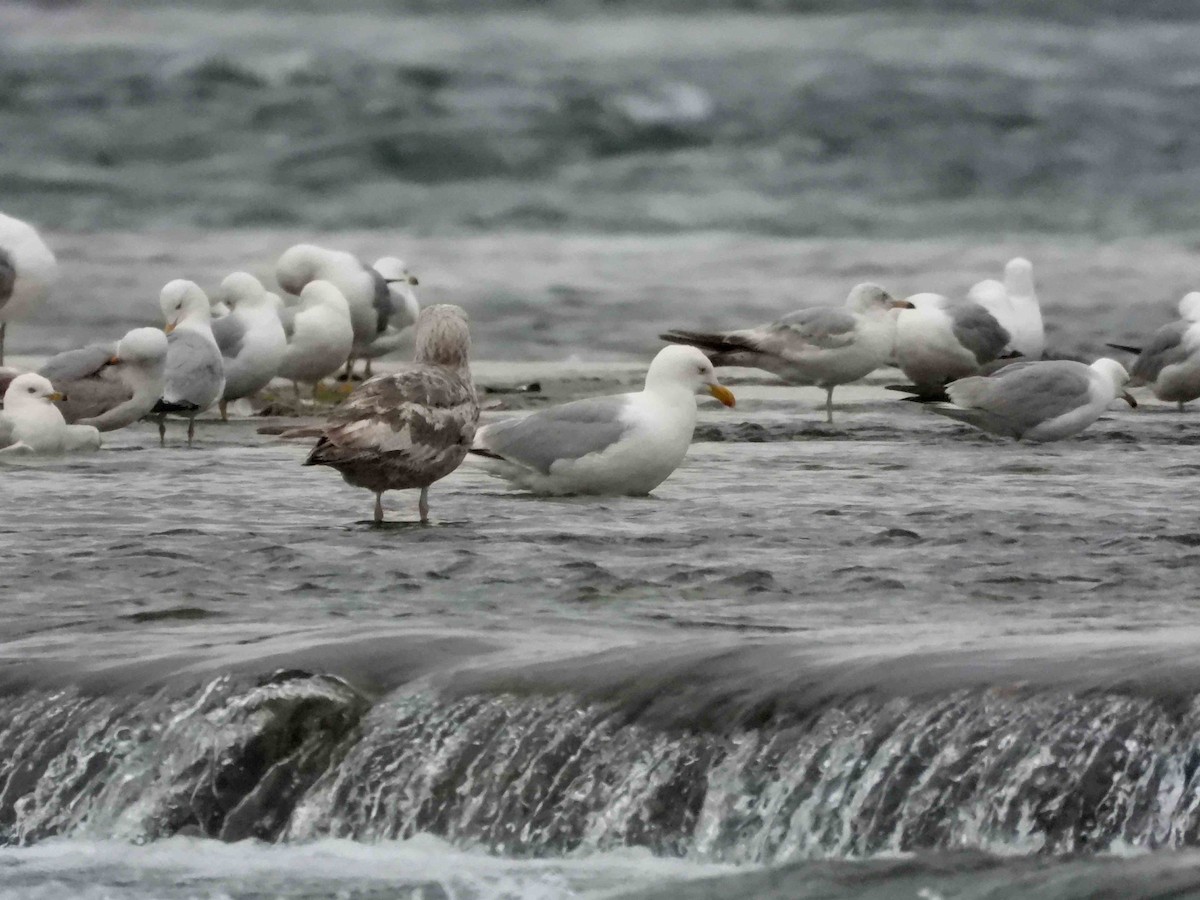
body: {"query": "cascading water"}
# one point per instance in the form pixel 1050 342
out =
pixel 300 757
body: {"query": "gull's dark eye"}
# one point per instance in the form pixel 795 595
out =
pixel 33 390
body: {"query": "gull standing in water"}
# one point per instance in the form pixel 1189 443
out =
pixel 194 377
pixel 1170 361
pixel 821 345
pixel 940 340
pixel 110 386
pixel 626 444
pixel 251 337
pixel 31 423
pixel 1037 401
pixel 27 272
pixel 413 427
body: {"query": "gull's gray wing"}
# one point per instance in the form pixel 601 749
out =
pixel 230 333
pixel 1020 396
pixel 826 327
pixel 570 431
pixel 977 330
pixel 8 277
pixel 75 364
pixel 407 428
pixel 382 299
pixel 6 431
pixel 1164 349
pixel 194 372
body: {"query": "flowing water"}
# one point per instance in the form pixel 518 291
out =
pixel 889 657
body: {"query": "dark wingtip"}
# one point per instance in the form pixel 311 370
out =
pixel 1136 351
pixel 487 454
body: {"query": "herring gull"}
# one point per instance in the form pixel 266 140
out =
pixel 365 290
pixel 31 423
pixel 194 377
pixel 251 337
pixel 27 271
pixel 1037 401
pixel 1014 304
pixel 625 444
pixel 821 345
pixel 412 427
pixel 940 340
pixel 320 335
pixel 1170 361
pixel 404 309
pixel 111 386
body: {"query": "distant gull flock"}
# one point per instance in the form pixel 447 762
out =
pixel 978 360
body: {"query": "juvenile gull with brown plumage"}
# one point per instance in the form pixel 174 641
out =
pixel 413 427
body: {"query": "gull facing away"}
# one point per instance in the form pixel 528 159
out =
pixel 821 345
pixel 413 427
pixel 194 376
pixel 27 272
pixel 110 386
pixel 251 337
pixel 940 340
pixel 1037 401
pixel 626 444
pixel 1170 361
pixel 319 335
pixel 365 290
pixel 1014 304
pixel 31 423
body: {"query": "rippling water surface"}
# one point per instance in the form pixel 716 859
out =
pixel 889 655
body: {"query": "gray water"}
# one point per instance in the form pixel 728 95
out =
pixel 888 657
pixel 815 651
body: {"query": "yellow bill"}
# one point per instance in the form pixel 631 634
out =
pixel 170 327
pixel 722 393
pixel 58 396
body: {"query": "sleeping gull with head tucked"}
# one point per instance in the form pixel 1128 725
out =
pixel 27 272
pixel 940 340
pixel 319 335
pixel 1014 304
pixel 251 337
pixel 412 427
pixel 365 289
pixel 821 345
pixel 626 444
pixel 31 423
pixel 194 376
pixel 111 386
pixel 1170 361
pixel 1037 401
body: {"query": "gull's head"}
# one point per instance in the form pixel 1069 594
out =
pixel 394 271
pixel 241 289
pixel 870 298
pixel 300 264
pixel 1018 275
pixel 182 300
pixel 681 366
pixel 322 293
pixel 143 347
pixel 1189 307
pixel 29 390
pixel 1117 376
pixel 987 292
pixel 443 337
